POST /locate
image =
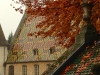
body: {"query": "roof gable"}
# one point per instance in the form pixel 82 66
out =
pixel 24 43
pixel 3 41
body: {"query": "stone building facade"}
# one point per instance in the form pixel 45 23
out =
pixel 3 52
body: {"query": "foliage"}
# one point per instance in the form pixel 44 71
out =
pixel 63 18
pixel 10 37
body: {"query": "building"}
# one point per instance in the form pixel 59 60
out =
pixel 3 52
pixel 30 55
pixel 84 56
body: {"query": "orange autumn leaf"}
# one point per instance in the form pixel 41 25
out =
pixel 63 18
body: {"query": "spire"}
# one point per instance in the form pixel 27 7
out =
pixel 3 41
pixel 88 32
pixel 91 33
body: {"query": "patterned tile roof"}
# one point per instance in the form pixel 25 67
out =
pixel 80 62
pixel 26 47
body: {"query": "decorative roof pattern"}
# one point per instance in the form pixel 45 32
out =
pixel 83 62
pixel 29 48
pixel 3 41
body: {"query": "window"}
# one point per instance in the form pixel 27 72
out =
pixel 24 69
pixel 52 50
pixel 36 69
pixel 35 51
pixel 11 70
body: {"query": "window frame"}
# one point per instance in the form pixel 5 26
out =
pixel 11 70
pixel 35 51
pixel 52 50
pixel 36 69
pixel 24 69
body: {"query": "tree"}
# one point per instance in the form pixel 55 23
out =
pixel 63 18
pixel 10 37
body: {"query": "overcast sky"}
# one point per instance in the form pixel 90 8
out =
pixel 9 18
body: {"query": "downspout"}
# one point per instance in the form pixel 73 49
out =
pixel 4 61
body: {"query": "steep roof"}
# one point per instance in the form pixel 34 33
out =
pixel 24 43
pixel 90 36
pixel 18 29
pixel 86 37
pixel 82 56
pixel 3 41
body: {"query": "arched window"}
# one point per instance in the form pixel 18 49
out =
pixel 11 70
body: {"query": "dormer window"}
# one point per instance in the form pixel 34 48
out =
pixel 52 50
pixel 35 51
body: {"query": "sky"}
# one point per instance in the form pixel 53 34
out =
pixel 9 18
